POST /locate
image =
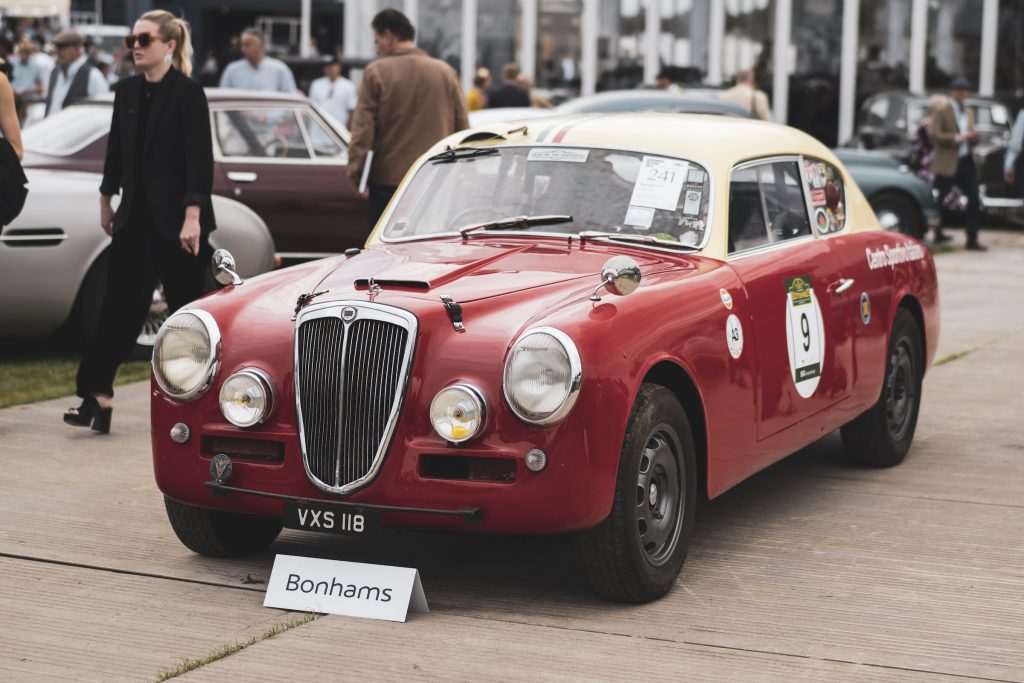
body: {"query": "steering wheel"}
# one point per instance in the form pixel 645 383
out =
pixel 277 146
pixel 460 220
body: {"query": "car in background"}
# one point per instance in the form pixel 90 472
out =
pixel 903 202
pixel 278 154
pixel 573 328
pixel 53 258
pixel 889 123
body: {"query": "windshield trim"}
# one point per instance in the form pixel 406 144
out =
pixel 423 161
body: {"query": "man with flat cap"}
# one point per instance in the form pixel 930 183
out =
pixel 954 137
pixel 73 78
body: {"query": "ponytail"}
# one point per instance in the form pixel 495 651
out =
pixel 173 28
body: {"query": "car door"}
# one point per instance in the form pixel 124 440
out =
pixel 289 166
pixel 794 286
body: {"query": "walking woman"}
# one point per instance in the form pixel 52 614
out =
pixel 160 154
pixel 9 128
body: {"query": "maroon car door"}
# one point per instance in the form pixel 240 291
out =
pixel 288 165
pixel 797 302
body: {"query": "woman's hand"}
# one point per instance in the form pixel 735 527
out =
pixel 190 231
pixel 106 215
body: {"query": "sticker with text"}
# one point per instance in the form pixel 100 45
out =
pixel 659 183
pixel 805 334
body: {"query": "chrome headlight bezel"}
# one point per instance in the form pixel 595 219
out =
pixel 575 374
pixel 475 395
pixel 209 370
pixel 263 380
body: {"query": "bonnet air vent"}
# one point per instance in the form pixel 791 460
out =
pixel 363 283
pixel 481 136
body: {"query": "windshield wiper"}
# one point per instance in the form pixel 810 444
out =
pixel 517 222
pixel 643 239
pixel 452 155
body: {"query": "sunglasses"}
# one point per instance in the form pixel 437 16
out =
pixel 144 40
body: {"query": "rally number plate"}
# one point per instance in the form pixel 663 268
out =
pixel 330 520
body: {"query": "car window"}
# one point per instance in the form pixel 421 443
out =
pixel 602 189
pixel 747 228
pixel 68 131
pixel 766 205
pixel 259 132
pixel 828 195
pixel 990 117
pixel 324 145
pixel 876 112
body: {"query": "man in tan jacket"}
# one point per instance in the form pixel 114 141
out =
pixel 953 136
pixel 407 102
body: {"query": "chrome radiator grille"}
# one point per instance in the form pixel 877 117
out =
pixel 351 369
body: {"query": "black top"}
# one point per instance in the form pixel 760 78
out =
pixel 160 152
pixel 508 95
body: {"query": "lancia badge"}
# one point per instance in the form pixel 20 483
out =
pixel 220 468
pixel 348 314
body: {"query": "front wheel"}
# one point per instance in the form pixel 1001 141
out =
pixel 636 553
pixel 882 435
pixel 216 533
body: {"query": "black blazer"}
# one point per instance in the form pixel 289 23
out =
pixel 176 160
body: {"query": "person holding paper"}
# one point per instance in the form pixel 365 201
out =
pixel 407 102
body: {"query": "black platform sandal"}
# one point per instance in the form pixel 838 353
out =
pixel 90 414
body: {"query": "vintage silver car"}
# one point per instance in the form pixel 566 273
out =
pixel 53 257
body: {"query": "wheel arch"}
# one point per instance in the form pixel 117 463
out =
pixel 676 379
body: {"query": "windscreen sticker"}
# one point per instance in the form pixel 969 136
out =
pixel 659 183
pixel 734 336
pixel 691 203
pixel 813 177
pixel 818 197
pixel 805 334
pixel 695 176
pixel 893 256
pixel 639 217
pixel 577 156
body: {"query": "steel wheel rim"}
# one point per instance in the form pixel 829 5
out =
pixel 889 220
pixel 900 391
pixel 659 495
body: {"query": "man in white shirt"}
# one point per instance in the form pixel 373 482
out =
pixel 747 95
pixel 73 78
pixel 334 93
pixel 257 71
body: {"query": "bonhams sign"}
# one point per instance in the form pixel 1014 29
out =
pixel 351 588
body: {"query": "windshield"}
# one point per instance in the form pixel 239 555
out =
pixel 68 131
pixel 988 117
pixel 613 191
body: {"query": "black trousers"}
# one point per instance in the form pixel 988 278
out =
pixel 380 195
pixel 138 259
pixel 966 178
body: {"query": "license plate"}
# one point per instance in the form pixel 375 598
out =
pixel 330 520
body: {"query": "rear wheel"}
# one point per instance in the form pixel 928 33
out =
pixel 216 533
pixel 898 213
pixel 636 553
pixel 882 435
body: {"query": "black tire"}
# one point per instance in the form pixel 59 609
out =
pixel 881 436
pixel 636 553
pixel 902 209
pixel 216 533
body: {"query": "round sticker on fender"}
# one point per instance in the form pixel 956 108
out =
pixel 805 334
pixel 734 336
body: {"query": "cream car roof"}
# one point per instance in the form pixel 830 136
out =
pixel 718 142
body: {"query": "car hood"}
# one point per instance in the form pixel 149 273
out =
pixel 470 270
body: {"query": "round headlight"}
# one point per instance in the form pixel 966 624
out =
pixel 246 397
pixel 458 412
pixel 542 376
pixel 185 354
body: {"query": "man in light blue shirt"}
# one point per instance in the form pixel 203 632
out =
pixel 1013 163
pixel 257 71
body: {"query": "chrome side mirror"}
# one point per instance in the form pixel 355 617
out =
pixel 620 275
pixel 223 266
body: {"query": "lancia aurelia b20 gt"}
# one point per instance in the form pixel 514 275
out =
pixel 578 326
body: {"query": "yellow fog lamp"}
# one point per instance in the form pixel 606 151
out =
pixel 458 412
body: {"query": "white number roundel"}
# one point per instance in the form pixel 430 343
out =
pixel 805 335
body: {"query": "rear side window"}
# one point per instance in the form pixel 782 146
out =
pixel 766 205
pixel 828 195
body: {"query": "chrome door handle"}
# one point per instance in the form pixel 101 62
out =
pixel 242 176
pixel 841 286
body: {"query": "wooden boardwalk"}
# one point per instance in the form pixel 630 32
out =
pixel 811 570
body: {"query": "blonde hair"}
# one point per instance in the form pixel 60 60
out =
pixel 173 28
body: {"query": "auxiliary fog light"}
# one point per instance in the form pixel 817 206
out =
pixel 536 460
pixel 246 397
pixel 180 433
pixel 458 412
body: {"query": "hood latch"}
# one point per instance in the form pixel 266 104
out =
pixel 454 312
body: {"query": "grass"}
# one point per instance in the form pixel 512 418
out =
pixel 189 664
pixel 36 372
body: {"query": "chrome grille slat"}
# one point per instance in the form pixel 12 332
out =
pixel 350 382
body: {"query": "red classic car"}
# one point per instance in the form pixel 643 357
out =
pixel 277 154
pixel 569 327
